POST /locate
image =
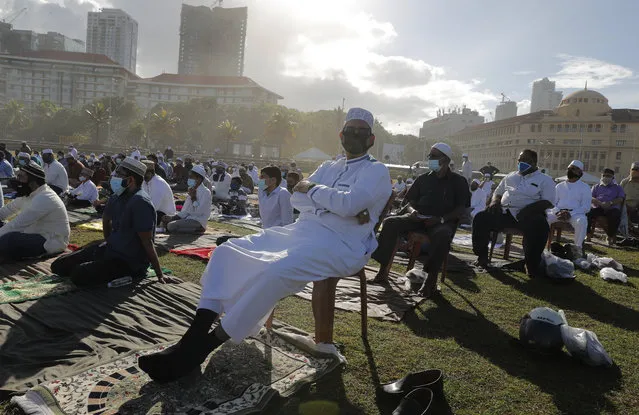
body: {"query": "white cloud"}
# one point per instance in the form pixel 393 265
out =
pixel 525 72
pixel 576 70
pixel 523 107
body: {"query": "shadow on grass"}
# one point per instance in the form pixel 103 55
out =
pixel 574 296
pixel 575 388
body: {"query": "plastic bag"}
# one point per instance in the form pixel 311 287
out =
pixel 610 274
pixel 583 263
pixel 607 262
pixel 557 267
pixel 584 345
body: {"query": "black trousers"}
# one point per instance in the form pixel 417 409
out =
pixel 87 266
pixel 56 189
pixel 535 229
pixel 79 203
pixel 613 216
pixel 159 217
pixel 395 226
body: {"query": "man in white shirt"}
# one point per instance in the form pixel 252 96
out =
pixel 56 175
pixel 196 209
pixel 252 171
pixel 73 151
pixel 6 169
pixel 41 224
pixel 400 185
pixel 221 180
pixel 467 168
pixel 86 193
pixel 274 200
pixel 159 191
pixel 247 276
pixel 572 201
pixel 478 197
pixel 520 201
pixel 136 153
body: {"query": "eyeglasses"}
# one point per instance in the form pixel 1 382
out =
pixel 363 132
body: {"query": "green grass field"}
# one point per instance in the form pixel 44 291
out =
pixel 468 332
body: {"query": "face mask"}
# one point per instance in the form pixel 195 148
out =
pixel 354 144
pixel 572 175
pixel 606 180
pixel 117 185
pixel 118 161
pixel 22 162
pixel 523 167
pixel 261 184
pixel 82 178
pixel 191 182
pixel 235 186
pixel 47 158
pixel 434 165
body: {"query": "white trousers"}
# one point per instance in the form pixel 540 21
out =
pixel 579 224
pixel 246 277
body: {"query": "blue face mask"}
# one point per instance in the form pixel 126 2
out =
pixel 116 185
pixel 523 167
pixel 235 186
pixel 261 184
pixel 191 182
pixel 434 165
pixel 22 162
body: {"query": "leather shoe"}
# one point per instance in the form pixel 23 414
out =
pixel 418 402
pixel 432 379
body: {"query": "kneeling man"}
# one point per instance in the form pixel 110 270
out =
pixel 247 276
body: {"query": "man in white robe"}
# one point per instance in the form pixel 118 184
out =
pixel 247 276
pixel 467 168
pixel 572 201
pixel 478 197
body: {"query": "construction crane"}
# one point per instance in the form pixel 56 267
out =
pixel 504 98
pixel 12 17
pixel 217 3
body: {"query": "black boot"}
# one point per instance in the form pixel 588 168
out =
pixel 187 355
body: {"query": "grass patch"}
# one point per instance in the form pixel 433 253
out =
pixel 468 333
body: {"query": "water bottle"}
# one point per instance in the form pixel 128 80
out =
pixel 120 282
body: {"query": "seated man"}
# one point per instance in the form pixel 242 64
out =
pixel 247 181
pixel 236 205
pixel 56 174
pixel 86 193
pixel 159 191
pixel 41 225
pixel 222 181
pixel 274 201
pixel 180 175
pixel 400 185
pixel 520 201
pixel 247 276
pixel 479 197
pixel 159 170
pixel 607 198
pixel 74 170
pixel 129 229
pixel 196 209
pixel 6 169
pixel 436 202
pixel 292 179
pixel 572 202
pixel 630 186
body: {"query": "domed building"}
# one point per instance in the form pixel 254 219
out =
pixel 582 127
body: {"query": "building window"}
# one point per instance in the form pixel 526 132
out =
pixel 554 166
pixel 622 128
pixel 557 154
pixel 538 128
pixel 618 155
pixel 596 142
pixel 563 154
pixel 574 128
pixel 558 128
pixel 594 155
pixel 586 155
pixel 613 128
pixel 585 99
pixel 617 169
pixel 566 128
pixel 602 156
pixel 552 128
pixel 621 143
pixel 532 128
pixel 597 128
pixel 571 154
pixel 582 127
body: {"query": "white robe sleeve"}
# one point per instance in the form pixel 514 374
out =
pixel 12 208
pixel 585 201
pixel 350 203
pixel 286 209
pixel 32 213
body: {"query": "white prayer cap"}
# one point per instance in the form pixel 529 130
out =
pixel 92 154
pixel 70 156
pixel 47 151
pixel 199 169
pixel 487 175
pixel 577 164
pixel 465 155
pixel 634 166
pixel 360 114
pixel 444 148
pixel 23 154
pixel 409 181
pixel 179 159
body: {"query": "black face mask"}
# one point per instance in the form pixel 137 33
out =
pixel 22 189
pixel 572 175
pixel 355 143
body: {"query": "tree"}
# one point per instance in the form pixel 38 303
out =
pixel 136 133
pixel 228 131
pixel 100 115
pixel 281 129
pixel 164 125
pixel 14 117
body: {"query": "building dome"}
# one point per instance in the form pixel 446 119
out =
pixel 583 104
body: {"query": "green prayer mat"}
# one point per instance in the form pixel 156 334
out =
pixel 40 286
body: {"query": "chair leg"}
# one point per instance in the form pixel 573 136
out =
pixel 493 242
pixel 509 241
pixel 364 302
pixel 444 267
pixel 324 309
pixel 549 242
pixel 413 254
pixel 559 231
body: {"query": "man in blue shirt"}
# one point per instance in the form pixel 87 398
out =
pixel 6 170
pixel 129 229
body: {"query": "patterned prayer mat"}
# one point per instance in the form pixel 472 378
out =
pixel 81 215
pixel 94 225
pixel 237 379
pixel 185 241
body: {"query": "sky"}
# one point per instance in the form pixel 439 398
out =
pixel 402 59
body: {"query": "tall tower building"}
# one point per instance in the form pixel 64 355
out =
pixel 544 96
pixel 212 41
pixel 505 109
pixel 113 33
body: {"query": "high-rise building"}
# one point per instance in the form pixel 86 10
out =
pixel 544 97
pixel 505 109
pixel 113 33
pixel 18 42
pixel 212 41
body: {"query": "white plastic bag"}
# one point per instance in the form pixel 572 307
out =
pixel 607 262
pixel 610 274
pixel 583 263
pixel 584 345
pixel 557 267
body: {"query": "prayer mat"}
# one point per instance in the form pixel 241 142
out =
pixel 23 270
pixel 199 253
pixel 237 379
pixel 385 301
pixel 95 225
pixel 246 222
pixel 81 215
pixel 186 241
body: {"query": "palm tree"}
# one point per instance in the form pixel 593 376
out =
pixel 229 131
pixel 281 129
pixel 99 115
pixel 136 134
pixel 14 116
pixel 164 124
